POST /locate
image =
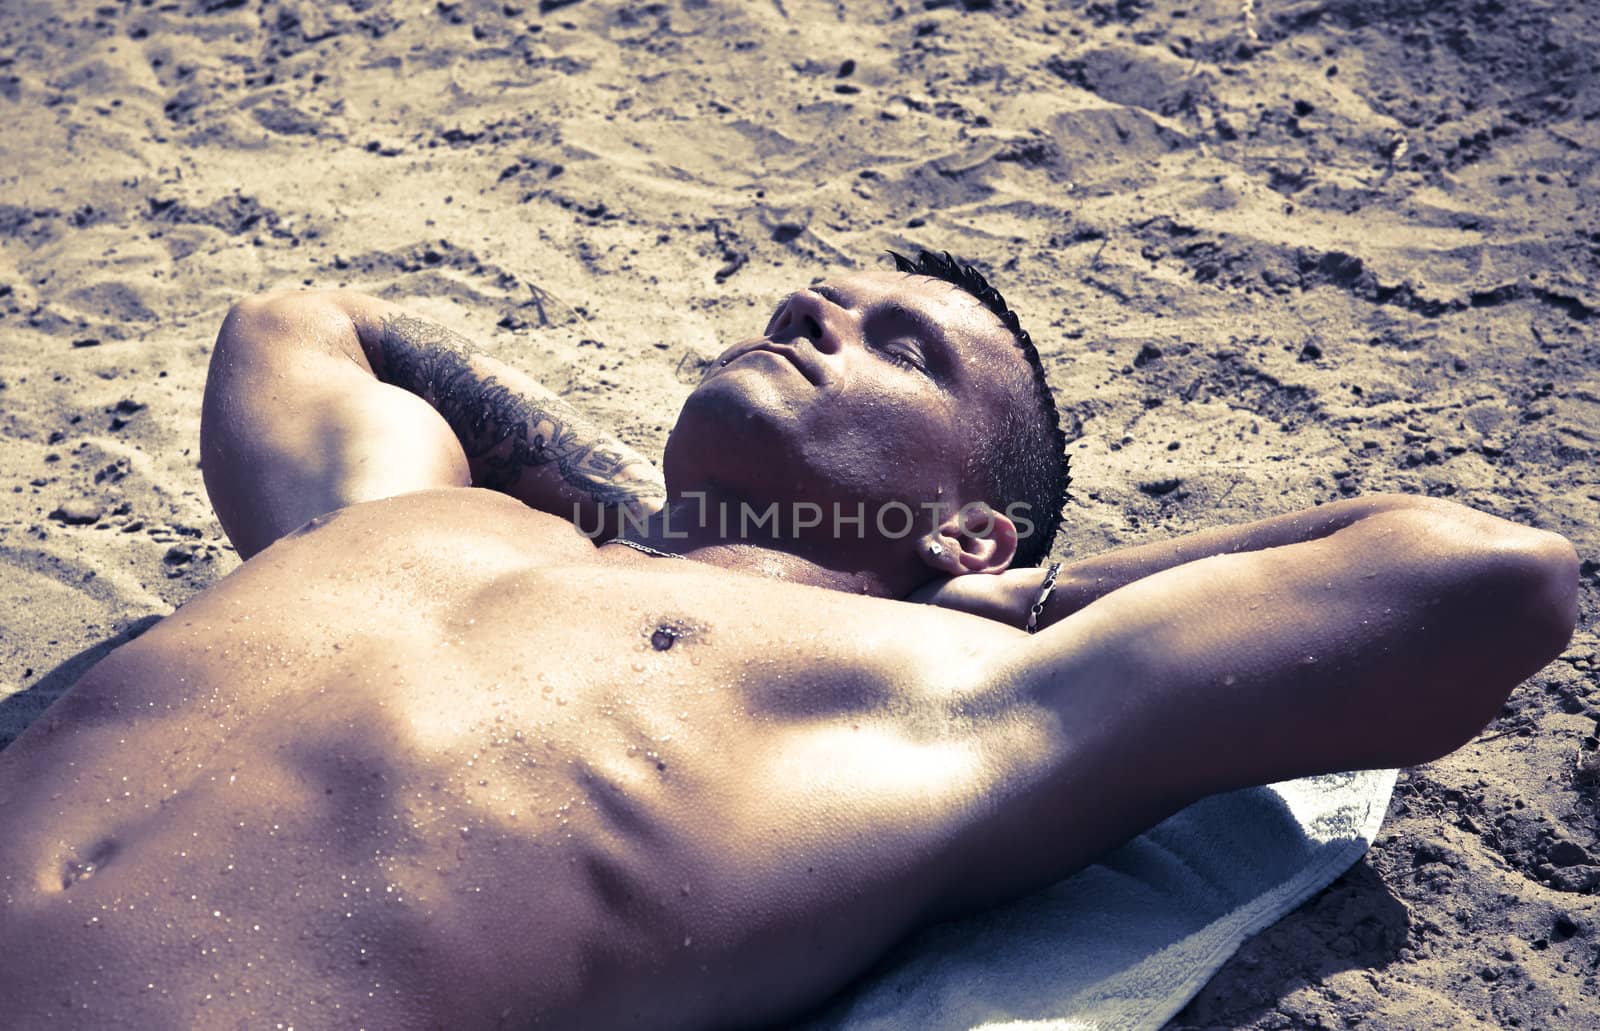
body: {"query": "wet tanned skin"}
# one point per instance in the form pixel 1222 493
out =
pixel 436 761
pixel 422 764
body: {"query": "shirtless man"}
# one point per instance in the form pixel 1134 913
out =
pixel 437 761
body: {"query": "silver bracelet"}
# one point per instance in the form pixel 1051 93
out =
pixel 1045 591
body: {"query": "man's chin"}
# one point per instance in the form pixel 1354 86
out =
pixel 735 421
pixel 737 401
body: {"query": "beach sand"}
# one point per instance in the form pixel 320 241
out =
pixel 1272 255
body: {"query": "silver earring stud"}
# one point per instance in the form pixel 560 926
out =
pixel 936 549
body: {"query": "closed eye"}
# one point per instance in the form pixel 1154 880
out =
pixel 904 356
pixel 912 335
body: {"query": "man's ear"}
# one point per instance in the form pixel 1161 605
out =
pixel 973 539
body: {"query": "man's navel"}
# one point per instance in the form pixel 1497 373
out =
pixel 675 633
pixel 84 863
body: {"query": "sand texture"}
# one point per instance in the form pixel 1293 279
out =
pixel 1273 255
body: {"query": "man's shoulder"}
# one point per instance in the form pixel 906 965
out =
pixel 426 540
pixel 468 514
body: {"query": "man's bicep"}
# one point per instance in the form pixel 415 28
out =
pixel 295 425
pixel 1387 643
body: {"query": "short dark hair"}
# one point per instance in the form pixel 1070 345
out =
pixel 1026 460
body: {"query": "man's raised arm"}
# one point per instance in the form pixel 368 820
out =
pixel 319 400
pixel 1383 636
pixel 1388 640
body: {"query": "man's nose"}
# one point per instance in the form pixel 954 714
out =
pixel 816 318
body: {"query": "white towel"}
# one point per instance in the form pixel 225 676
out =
pixel 1126 942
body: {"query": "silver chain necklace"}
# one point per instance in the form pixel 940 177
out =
pixel 647 549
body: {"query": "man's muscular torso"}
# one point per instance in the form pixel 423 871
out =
pixel 440 762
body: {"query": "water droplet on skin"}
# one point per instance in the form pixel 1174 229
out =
pixel 1229 680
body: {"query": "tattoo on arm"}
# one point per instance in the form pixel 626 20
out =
pixel 504 432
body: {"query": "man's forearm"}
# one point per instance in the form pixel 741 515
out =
pixel 1084 580
pixel 519 438
pixel 1009 597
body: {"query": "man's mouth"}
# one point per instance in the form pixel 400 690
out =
pixel 812 374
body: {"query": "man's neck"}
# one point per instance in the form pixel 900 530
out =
pixel 731 535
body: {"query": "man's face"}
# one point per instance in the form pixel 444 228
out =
pixel 871 387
